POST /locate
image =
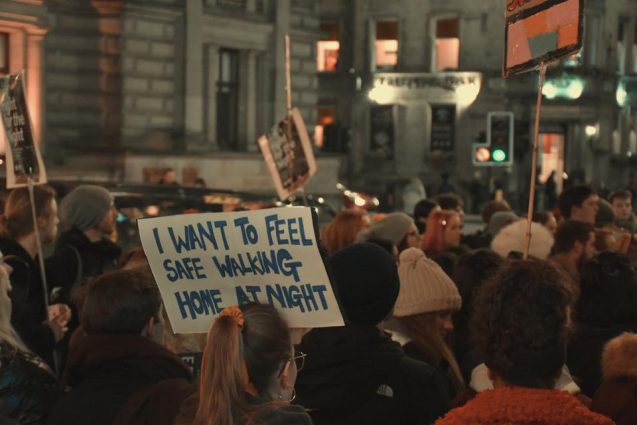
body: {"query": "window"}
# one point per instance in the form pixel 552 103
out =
pixel 591 37
pixel 325 118
pixel 635 48
pixel 227 99
pixel 327 50
pixel 622 45
pixel 386 45
pixel 447 45
pixel 4 53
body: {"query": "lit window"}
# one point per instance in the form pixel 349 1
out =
pixel 4 53
pixel 324 118
pixel 386 45
pixel 447 54
pixel 327 50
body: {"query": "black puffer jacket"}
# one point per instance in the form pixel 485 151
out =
pixel 28 391
pixel 357 375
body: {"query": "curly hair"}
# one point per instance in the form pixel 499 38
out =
pixel 520 323
pixel 608 291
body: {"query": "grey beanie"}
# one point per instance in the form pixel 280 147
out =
pixel 85 206
pixel 393 228
pixel 500 220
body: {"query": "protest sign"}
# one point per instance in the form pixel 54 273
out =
pixel 540 31
pixel 203 263
pixel 23 155
pixel 291 162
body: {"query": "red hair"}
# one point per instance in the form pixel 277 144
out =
pixel 343 229
pixel 434 238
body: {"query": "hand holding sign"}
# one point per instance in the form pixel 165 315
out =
pixel 205 262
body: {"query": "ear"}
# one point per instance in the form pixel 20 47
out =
pixel 578 248
pixel 42 222
pixel 284 378
pixel 149 330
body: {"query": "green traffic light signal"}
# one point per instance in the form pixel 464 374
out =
pixel 499 155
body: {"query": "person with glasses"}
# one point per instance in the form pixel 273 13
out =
pixel 248 372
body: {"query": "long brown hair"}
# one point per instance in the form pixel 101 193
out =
pixel 17 220
pixel 423 331
pixel 239 360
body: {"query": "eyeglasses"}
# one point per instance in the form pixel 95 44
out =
pixel 299 359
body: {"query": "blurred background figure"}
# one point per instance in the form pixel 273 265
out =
pixel 343 230
pixel 422 209
pixel 444 229
pixel 397 228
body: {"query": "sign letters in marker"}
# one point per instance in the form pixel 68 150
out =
pixel 205 262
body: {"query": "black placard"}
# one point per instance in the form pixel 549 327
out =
pixel 443 127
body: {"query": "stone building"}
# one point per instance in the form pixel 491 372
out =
pixel 422 76
pixel 390 90
pixel 122 89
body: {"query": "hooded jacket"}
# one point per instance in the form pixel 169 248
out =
pixel 357 375
pixel 104 371
pixel 523 406
pixel 616 397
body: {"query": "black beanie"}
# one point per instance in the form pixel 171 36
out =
pixel 366 278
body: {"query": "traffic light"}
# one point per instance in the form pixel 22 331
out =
pixel 498 148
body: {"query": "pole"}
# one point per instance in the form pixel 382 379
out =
pixel 536 136
pixel 288 96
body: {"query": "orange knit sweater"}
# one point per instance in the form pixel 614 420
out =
pixel 523 406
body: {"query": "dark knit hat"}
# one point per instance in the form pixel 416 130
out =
pixel 85 206
pixel 366 279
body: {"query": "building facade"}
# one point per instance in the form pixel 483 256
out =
pixel 123 89
pixel 423 76
pixel 390 91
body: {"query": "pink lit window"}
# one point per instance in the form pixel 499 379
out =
pixel 386 45
pixel 447 44
pixel 327 51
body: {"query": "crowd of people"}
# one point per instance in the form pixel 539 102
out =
pixel 440 326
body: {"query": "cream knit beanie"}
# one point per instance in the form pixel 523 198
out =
pixel 424 286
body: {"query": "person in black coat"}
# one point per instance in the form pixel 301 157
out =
pixel 356 374
pixel 116 357
pixel 18 244
pixel 84 249
pixel 28 388
pixel 604 310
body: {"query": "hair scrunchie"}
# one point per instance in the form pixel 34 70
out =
pixel 235 313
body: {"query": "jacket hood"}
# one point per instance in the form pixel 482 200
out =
pixel 619 358
pixel 513 238
pixel 344 366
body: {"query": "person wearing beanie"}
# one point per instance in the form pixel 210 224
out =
pixel 397 228
pixel 356 374
pixel 423 316
pixel 83 250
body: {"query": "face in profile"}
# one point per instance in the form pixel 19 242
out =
pixel 49 226
pixel 453 231
pixel 107 225
pixel 587 212
pixel 623 208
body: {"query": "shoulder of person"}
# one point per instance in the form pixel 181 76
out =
pixel 286 415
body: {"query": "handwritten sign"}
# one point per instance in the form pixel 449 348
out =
pixel 291 163
pixel 205 262
pixel 540 31
pixel 23 156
